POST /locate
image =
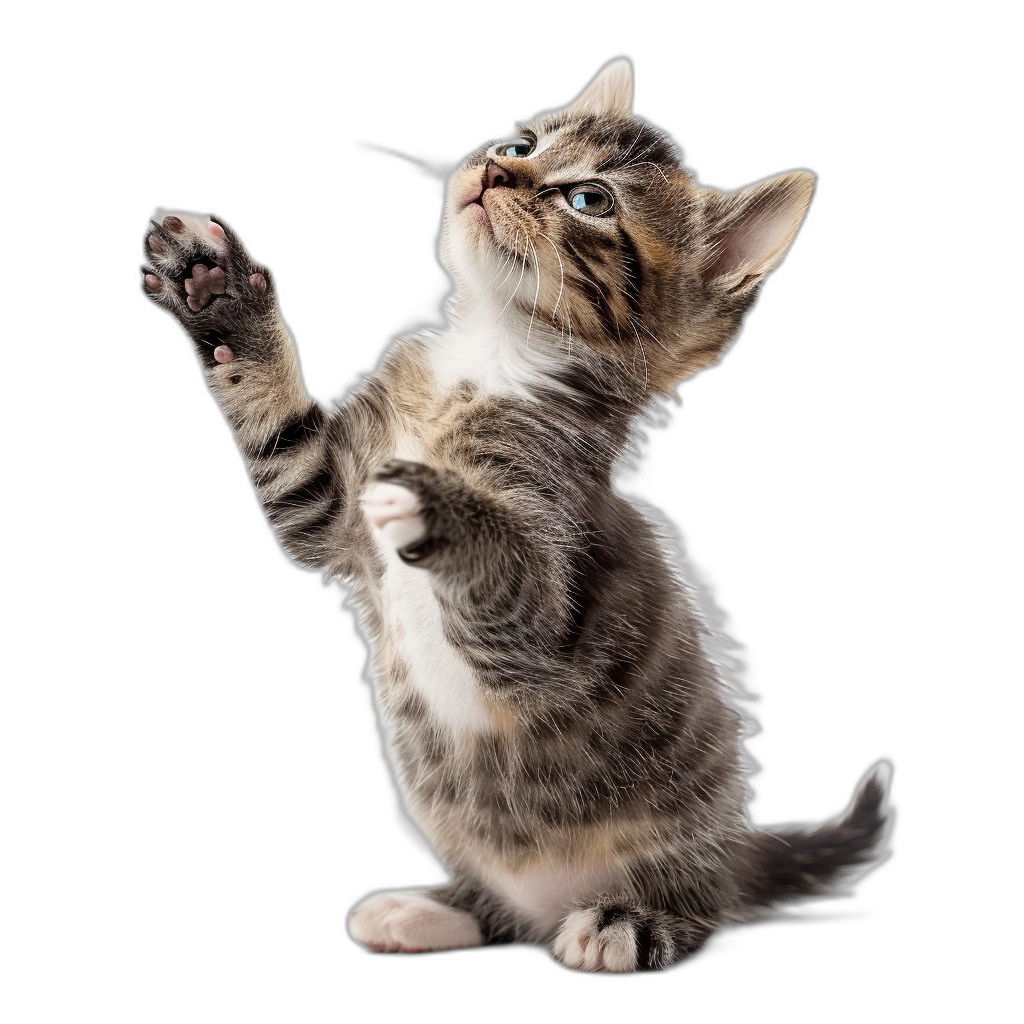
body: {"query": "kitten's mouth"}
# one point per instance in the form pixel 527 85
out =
pixel 478 209
pixel 471 199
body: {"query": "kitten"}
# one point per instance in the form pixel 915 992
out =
pixel 559 730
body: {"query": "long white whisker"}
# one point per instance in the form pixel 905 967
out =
pixel 561 272
pixel 651 163
pixel 508 261
pixel 515 291
pixel 536 294
pixel 633 143
pixel 643 354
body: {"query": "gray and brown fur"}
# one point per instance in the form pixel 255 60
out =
pixel 604 763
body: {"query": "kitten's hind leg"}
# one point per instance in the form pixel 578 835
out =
pixel 412 921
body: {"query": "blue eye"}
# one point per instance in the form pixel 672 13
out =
pixel 592 200
pixel 519 148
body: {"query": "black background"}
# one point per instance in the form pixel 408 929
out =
pixel 250 778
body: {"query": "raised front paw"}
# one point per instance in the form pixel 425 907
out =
pixel 411 922
pixel 202 275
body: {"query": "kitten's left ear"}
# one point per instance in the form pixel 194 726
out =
pixel 610 94
pixel 748 232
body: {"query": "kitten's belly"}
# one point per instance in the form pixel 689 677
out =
pixel 544 894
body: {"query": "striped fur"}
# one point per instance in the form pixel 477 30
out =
pixel 559 730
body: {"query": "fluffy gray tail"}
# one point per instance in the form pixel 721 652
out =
pixel 793 861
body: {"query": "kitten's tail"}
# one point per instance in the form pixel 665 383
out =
pixel 793 861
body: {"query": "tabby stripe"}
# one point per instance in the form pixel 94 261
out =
pixel 321 487
pixel 293 434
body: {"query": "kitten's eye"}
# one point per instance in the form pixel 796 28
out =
pixel 591 199
pixel 521 147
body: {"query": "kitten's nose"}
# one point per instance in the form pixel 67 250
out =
pixel 498 177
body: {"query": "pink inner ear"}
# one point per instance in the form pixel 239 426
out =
pixel 757 224
pixel 753 244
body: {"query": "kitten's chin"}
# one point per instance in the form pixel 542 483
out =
pixel 475 213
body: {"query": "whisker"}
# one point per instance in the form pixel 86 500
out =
pixel 651 163
pixel 507 261
pixel 536 294
pixel 515 291
pixel 643 355
pixel 657 341
pixel 633 143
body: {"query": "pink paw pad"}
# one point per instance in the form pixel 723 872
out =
pixel 203 285
pixel 215 229
pixel 223 354
pixel 258 283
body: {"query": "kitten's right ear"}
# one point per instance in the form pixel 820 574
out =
pixel 610 94
pixel 748 232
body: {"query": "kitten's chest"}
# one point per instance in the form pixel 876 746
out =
pixel 417 653
pixel 421 657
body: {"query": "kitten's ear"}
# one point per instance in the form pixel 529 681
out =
pixel 749 231
pixel 610 94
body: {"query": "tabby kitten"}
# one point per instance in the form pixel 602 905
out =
pixel 559 730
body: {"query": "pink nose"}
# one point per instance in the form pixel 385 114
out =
pixel 498 177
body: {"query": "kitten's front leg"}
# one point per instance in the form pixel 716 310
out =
pixel 399 515
pixel 201 275
pixel 425 514
pixel 619 934
pixel 497 562
pixel 412 921
pixel 435 519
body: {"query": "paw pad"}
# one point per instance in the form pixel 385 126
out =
pixel 203 285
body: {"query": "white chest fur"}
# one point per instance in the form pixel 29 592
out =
pixel 412 616
pixel 545 893
pixel 509 359
pixel 436 670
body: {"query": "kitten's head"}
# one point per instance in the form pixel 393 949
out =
pixel 588 225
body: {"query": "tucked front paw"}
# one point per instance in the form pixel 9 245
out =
pixel 411 922
pixel 396 512
pixel 406 503
pixel 618 934
pixel 593 940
